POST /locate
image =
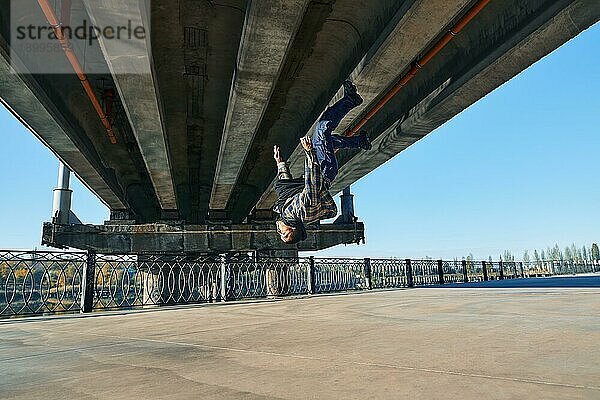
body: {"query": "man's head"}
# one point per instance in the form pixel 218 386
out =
pixel 291 234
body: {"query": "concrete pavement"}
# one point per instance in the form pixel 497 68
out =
pixel 425 343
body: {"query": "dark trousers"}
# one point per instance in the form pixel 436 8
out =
pixel 325 143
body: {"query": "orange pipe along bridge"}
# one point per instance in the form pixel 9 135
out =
pixel 169 115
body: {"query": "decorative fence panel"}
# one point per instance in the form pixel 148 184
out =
pixel 425 272
pixel 474 271
pixel 37 282
pixel 339 274
pixel 388 273
pixel 452 271
pixel 132 281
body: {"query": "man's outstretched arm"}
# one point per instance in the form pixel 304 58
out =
pixel 283 170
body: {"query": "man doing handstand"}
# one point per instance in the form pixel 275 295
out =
pixel 304 201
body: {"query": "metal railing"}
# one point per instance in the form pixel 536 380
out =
pixel 33 283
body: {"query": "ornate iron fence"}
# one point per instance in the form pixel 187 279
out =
pixel 390 273
pixel 33 282
pixel 40 282
pixel 452 271
pixel 339 274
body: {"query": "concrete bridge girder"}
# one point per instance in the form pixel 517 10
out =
pixel 195 46
pixel 132 73
pixel 536 38
pixel 269 30
pixel 81 142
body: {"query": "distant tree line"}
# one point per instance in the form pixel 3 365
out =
pixel 570 253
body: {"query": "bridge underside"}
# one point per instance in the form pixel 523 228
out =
pixel 219 83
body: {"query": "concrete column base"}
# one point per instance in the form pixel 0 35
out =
pixel 277 274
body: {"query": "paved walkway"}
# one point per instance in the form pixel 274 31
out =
pixel 429 343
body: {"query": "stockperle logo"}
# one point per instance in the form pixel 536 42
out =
pixel 104 36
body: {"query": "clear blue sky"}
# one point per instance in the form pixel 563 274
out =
pixel 517 170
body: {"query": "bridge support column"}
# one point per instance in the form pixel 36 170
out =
pixel 153 277
pixel 347 203
pixel 61 202
pixel 277 274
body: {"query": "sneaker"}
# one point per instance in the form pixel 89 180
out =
pixel 351 92
pixel 365 142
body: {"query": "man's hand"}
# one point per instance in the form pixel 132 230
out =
pixel 306 143
pixel 276 154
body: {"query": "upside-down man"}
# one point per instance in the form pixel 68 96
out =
pixel 304 201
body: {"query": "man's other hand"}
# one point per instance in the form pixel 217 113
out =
pixel 276 154
pixel 306 143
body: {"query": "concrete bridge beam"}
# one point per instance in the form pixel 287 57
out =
pixel 269 30
pixel 130 65
pixel 551 27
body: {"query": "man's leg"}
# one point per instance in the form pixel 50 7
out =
pixel 348 142
pixel 323 145
pixel 324 142
pixel 338 111
pixel 334 114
